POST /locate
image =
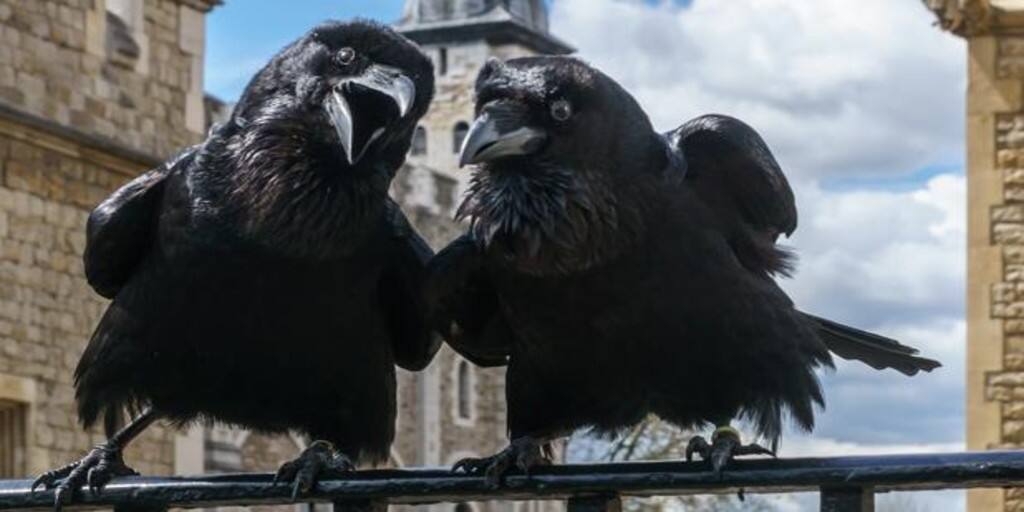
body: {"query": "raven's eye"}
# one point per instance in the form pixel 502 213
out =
pixel 561 110
pixel 346 56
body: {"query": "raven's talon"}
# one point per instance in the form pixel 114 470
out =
pixel 49 479
pixel 725 446
pixel 697 445
pixel 315 461
pixel 95 470
pixel 523 453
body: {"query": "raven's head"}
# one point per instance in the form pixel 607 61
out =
pixel 356 88
pixel 559 147
pixel 317 136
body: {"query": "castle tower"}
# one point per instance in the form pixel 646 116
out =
pixel 453 409
pixel 995 228
pixel 459 36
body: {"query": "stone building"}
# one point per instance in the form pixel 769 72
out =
pixel 994 30
pixel 94 92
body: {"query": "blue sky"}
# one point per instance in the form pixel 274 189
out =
pixel 244 34
pixel 864 109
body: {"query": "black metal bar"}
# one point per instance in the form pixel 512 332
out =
pixel 598 503
pixel 883 473
pixel 847 499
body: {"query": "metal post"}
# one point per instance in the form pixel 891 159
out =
pixel 847 499
pixel 360 506
pixel 139 508
pixel 602 503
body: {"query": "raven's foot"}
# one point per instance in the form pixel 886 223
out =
pixel 524 453
pixel 318 459
pixel 97 468
pixel 725 445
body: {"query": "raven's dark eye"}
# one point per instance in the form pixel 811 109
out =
pixel 561 110
pixel 346 56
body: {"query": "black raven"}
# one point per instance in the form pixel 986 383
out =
pixel 263 278
pixel 620 272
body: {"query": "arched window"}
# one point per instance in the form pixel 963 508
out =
pixel 464 389
pixel 419 141
pixel 124 29
pixel 463 507
pixel 458 135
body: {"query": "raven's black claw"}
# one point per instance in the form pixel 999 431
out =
pixel 699 446
pixel 725 446
pixel 96 469
pixel 524 453
pixel 49 479
pixel 317 459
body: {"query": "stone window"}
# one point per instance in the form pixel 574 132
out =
pixel 222 447
pixel 13 439
pixel 125 20
pixel 458 135
pixel 463 507
pixel 465 398
pixel 442 61
pixel 419 142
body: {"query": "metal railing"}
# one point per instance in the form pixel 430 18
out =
pixel 846 484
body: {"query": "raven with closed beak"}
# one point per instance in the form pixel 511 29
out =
pixel 620 272
pixel 263 278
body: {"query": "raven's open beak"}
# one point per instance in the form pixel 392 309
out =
pixel 362 107
pixel 501 130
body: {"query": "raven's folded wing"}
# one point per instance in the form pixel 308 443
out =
pixel 463 305
pixel 413 341
pixel 121 230
pixel 732 170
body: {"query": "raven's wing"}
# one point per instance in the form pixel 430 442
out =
pixel 732 170
pixel 734 173
pixel 412 340
pixel 462 304
pixel 121 230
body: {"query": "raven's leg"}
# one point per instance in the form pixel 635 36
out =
pixel 725 445
pixel 101 464
pixel 319 458
pixel 524 453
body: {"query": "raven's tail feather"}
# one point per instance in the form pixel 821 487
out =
pixel 876 351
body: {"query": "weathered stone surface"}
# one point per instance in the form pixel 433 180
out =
pixel 44 49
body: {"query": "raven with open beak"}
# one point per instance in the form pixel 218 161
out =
pixel 263 278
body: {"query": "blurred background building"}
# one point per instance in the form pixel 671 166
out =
pixel 94 92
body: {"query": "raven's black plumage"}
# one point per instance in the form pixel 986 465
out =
pixel 263 278
pixel 621 272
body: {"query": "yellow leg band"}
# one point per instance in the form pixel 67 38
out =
pixel 725 431
pixel 320 442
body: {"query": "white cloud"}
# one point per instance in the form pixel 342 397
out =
pixel 834 88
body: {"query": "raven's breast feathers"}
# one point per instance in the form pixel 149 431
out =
pixel 548 221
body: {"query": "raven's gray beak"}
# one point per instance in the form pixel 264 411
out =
pixel 501 130
pixel 358 97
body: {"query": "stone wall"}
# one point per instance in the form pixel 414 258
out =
pixel 77 119
pixel 995 232
pixel 47 311
pixel 54 63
